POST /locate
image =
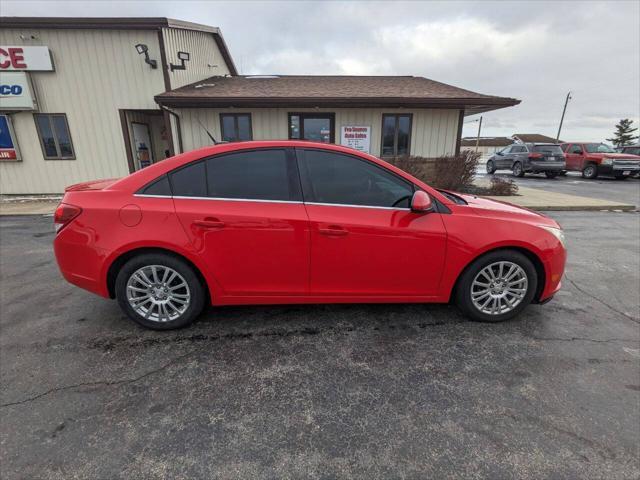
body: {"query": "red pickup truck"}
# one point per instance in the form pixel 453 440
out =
pixel 593 159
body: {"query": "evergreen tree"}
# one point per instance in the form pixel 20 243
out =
pixel 623 134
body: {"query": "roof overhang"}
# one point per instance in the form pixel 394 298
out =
pixel 470 106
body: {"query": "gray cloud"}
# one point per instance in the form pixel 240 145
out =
pixel 534 51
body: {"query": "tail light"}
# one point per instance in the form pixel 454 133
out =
pixel 535 155
pixel 64 214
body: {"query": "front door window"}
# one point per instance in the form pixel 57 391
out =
pixel 315 127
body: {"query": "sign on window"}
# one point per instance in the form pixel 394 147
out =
pixel 356 137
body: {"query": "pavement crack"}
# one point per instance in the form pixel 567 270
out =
pixel 610 307
pixel 100 382
pixel 584 339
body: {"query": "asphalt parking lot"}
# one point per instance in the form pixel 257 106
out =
pixel 361 391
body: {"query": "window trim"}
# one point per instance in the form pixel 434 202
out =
pixel 308 193
pixel 55 136
pixel 235 116
pixel 330 115
pixel 395 134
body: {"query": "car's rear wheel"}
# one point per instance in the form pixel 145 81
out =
pixel 159 291
pixel 497 286
pixel 518 171
pixel 551 174
pixel 590 171
pixel 491 167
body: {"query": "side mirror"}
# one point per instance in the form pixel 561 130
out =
pixel 421 202
pixel 499 153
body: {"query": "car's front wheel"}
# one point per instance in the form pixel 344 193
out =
pixel 159 291
pixel 491 167
pixel 590 172
pixel 497 286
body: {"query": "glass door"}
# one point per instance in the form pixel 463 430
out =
pixel 316 127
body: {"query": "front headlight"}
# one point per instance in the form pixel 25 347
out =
pixel 556 232
pixel 607 161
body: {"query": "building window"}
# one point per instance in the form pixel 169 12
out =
pixel 236 127
pixel 55 138
pixel 316 127
pixel 396 134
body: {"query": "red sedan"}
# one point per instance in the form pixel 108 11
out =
pixel 297 222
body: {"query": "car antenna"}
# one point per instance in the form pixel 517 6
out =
pixel 215 142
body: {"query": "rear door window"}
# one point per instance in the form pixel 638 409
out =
pixel 189 181
pixel 253 175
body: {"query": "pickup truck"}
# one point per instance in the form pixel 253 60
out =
pixel 593 159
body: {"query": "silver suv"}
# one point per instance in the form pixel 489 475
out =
pixel 523 158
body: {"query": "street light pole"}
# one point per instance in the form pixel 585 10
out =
pixel 478 136
pixel 562 118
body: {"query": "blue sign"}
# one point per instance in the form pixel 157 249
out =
pixel 8 150
pixel 10 89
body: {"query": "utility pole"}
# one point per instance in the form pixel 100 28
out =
pixel 478 137
pixel 562 118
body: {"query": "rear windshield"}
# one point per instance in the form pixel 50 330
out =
pixel 550 149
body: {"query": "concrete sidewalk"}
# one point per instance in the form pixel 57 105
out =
pixel 545 200
pixel 533 198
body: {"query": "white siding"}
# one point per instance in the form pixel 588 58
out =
pixel 205 58
pixel 97 72
pixel 434 131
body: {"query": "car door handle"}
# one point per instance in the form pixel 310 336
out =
pixel 333 231
pixel 209 223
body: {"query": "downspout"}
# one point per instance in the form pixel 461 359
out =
pixel 178 127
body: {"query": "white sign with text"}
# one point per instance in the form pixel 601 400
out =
pixel 356 137
pixel 21 58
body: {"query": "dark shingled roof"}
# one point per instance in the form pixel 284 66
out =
pixel 534 138
pixel 486 142
pixel 329 91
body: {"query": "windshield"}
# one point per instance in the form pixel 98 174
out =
pixel 598 148
pixel 550 149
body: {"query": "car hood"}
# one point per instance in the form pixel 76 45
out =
pixel 488 207
pixel 619 156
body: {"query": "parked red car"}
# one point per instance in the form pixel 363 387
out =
pixel 593 159
pixel 297 222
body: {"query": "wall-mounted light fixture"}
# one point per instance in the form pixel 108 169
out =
pixel 141 48
pixel 183 57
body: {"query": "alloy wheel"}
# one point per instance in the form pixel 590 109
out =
pixel 499 288
pixel 158 293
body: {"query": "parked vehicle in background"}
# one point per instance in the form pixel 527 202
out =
pixel 593 159
pixel 523 158
pixel 298 222
pixel 630 149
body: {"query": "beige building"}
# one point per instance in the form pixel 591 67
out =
pixel 87 98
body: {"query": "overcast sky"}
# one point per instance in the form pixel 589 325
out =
pixel 533 51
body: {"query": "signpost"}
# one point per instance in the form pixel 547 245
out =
pixel 356 137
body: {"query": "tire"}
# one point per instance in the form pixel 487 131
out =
pixel 621 177
pixel 590 172
pixel 563 173
pixel 167 310
pixel 465 285
pixel 518 171
pixel 491 167
pixel 551 174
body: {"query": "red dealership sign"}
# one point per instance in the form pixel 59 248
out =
pixel 25 59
